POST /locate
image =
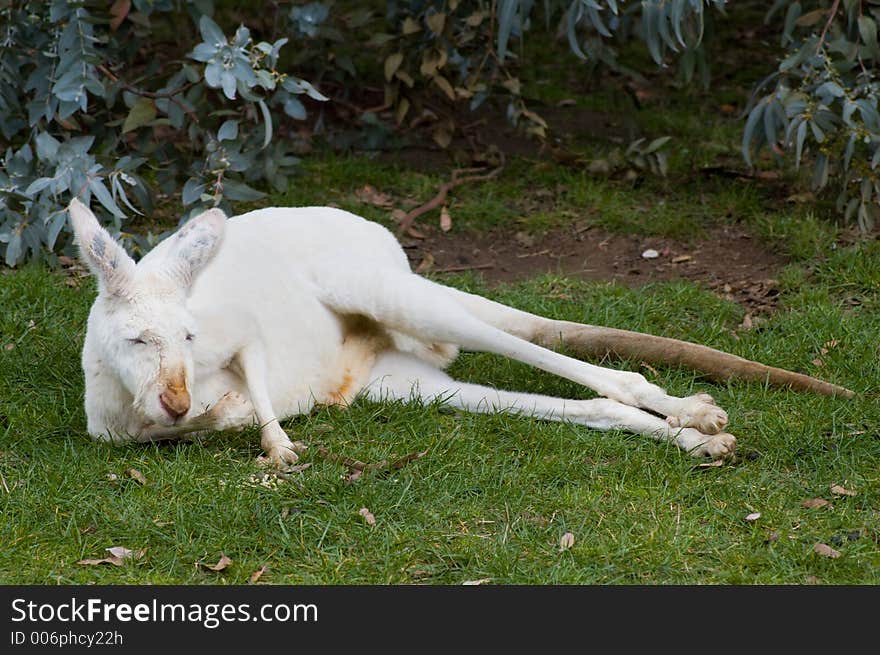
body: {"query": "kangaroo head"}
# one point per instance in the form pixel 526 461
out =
pixel 140 328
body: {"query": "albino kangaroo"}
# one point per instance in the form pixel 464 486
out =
pixel 231 323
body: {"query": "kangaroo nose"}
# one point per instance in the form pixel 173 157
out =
pixel 176 403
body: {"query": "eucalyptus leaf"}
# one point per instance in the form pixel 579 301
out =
pixel 267 123
pixel 141 113
pixel 192 191
pixel 228 131
pixel 56 222
pixel 294 108
pixel 96 186
pixel 506 15
pixel 211 32
pixel 240 191
pixel 13 249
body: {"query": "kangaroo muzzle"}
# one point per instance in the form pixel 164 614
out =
pixel 175 399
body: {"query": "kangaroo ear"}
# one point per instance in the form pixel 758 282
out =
pixel 101 253
pixel 195 244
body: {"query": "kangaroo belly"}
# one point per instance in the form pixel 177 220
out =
pixel 301 339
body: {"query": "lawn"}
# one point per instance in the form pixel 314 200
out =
pixel 493 495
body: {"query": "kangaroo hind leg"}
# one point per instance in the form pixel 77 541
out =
pixel 399 376
pixel 698 411
pixel 430 312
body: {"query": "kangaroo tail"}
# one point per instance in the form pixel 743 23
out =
pixel 595 341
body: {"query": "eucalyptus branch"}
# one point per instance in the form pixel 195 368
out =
pixel 169 95
pixel 831 14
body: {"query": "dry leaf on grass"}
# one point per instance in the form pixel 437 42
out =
pixel 354 476
pixel 445 219
pixel 256 575
pixel 442 136
pixel 826 551
pixel 680 259
pixel 368 516
pixel 566 541
pixel 824 351
pixel 118 555
pixel 715 463
pixel 221 564
pixel 754 516
pixel 426 264
pixel 124 553
pixel 136 475
pixel 524 239
pixel 810 503
pixel 473 583
pixel 837 490
pixel 414 232
pixel 371 196
pixel 768 175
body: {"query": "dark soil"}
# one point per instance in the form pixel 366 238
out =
pixel 727 260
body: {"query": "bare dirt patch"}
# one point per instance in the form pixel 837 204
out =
pixel 728 260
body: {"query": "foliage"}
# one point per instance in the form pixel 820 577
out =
pixel 822 102
pixel 466 51
pixel 147 99
pixel 93 104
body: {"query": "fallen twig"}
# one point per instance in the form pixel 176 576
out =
pixel 347 462
pixel 458 178
pixel 406 459
pixel 463 267
pixel 361 467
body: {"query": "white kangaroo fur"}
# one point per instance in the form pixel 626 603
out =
pixel 245 321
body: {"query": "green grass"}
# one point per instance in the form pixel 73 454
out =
pixel 494 494
pixel 536 196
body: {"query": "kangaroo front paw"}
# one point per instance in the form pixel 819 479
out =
pixel 701 413
pixel 280 451
pixel 278 456
pixel 232 411
pixel 717 446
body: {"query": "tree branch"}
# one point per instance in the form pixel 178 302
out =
pixel 831 14
pixel 169 95
pixel 440 199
